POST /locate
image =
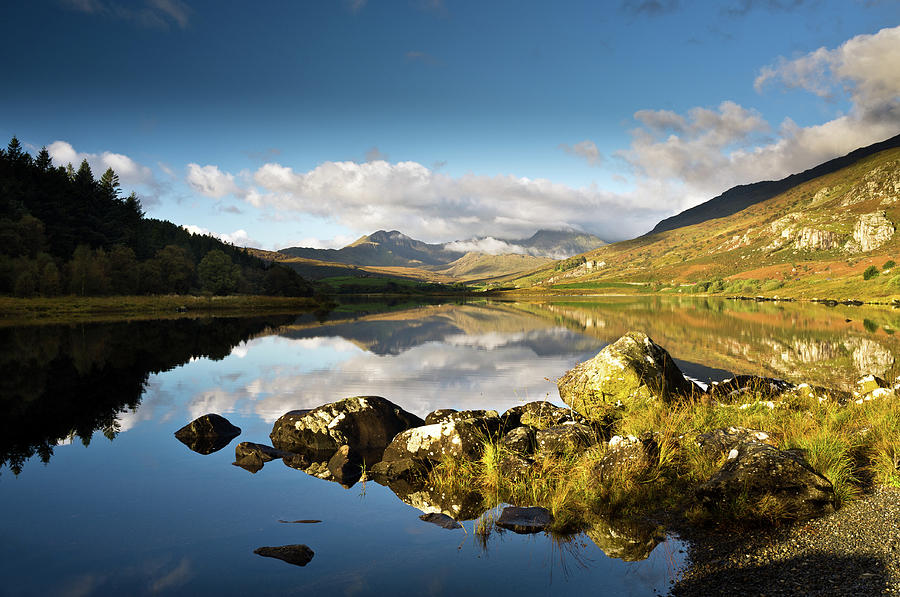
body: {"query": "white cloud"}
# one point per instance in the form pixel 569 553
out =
pixel 154 13
pixel 210 181
pixel 489 245
pixel 129 171
pixel 586 150
pixel 238 238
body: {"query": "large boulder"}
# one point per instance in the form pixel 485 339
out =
pixel 745 388
pixel 520 440
pixel 365 423
pixel 761 481
pixel 207 434
pixel 429 444
pixel 722 441
pixel 631 370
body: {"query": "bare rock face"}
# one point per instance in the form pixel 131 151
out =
pixel 298 555
pixel 631 370
pixel 781 480
pixel 207 434
pixel 816 240
pixel 365 423
pixel 872 230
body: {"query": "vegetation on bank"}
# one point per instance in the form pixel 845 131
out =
pixel 63 232
pixel 855 446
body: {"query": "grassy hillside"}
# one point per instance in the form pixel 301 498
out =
pixel 830 237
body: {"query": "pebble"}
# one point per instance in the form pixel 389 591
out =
pixel 853 551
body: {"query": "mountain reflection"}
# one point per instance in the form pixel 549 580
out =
pixel 67 382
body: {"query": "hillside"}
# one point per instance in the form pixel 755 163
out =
pixel 473 266
pixel 741 197
pixel 380 248
pixel 832 236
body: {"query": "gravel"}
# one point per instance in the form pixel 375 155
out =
pixel 855 551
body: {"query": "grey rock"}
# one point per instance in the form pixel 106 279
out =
pixel 564 439
pixel 721 441
pixel 531 519
pixel 539 414
pixel 515 467
pixel 429 444
pixel 628 456
pixel 743 387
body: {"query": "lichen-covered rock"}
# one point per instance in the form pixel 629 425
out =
pixel 723 441
pixel 628 456
pixel 429 444
pixel 457 503
pixel 872 387
pixel 766 482
pixel 539 414
pixel 486 420
pixel 872 230
pixel 629 541
pixel 515 467
pixel 630 370
pixel 520 440
pixel 298 555
pixel 742 388
pixel 207 434
pixel 532 519
pixel 365 423
pixel 564 439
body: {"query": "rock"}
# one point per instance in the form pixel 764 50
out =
pixel 207 434
pixel 441 520
pixel 487 420
pixel 429 444
pixel 265 453
pixel 298 555
pixel 564 439
pixel 871 231
pixel 628 456
pixel 515 467
pixel 345 466
pixel 252 462
pixel 532 519
pixel 741 388
pixel 520 440
pixel 539 415
pixel 723 441
pixel 365 423
pixel 628 371
pixel 297 461
pixel 403 468
pixel 629 541
pixel 761 481
pixel 871 387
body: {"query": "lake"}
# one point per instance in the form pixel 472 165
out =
pixel 99 498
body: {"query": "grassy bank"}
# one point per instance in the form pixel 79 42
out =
pixel 855 446
pixel 15 311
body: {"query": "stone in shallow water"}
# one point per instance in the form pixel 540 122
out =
pixel 298 555
pixel 441 520
pixel 531 519
pixel 207 434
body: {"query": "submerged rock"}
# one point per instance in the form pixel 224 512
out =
pixel 630 370
pixel 207 434
pixel 768 482
pixel 441 520
pixel 365 423
pixel 298 555
pixel 531 519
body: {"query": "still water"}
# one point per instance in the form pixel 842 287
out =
pixel 99 498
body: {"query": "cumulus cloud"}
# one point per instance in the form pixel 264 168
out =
pixel 586 150
pixel 130 172
pixel 685 159
pixel 489 245
pixel 238 238
pixel 210 181
pixel 436 207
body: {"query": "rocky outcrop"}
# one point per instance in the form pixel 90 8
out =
pixel 207 434
pixel 365 423
pixel 532 519
pixel 813 239
pixel 871 231
pixel 631 370
pixel 487 420
pixel 741 388
pixel 298 555
pixel 768 483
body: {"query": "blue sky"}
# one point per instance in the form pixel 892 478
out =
pixel 311 123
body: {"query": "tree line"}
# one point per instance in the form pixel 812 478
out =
pixel 64 232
